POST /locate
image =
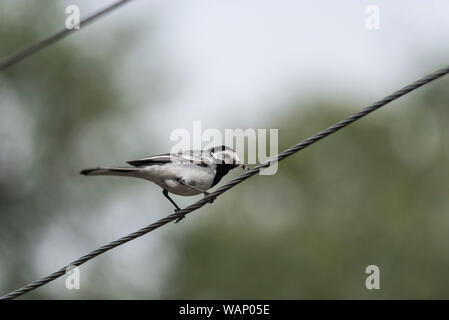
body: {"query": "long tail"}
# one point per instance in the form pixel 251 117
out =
pixel 124 172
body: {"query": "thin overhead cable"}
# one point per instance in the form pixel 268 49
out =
pixel 41 44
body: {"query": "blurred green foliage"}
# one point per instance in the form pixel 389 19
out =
pixel 48 102
pixel 374 193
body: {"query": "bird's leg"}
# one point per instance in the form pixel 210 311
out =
pixel 180 215
pixel 165 193
pixel 181 181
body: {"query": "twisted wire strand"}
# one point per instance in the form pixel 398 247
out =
pixel 41 44
pixel 288 152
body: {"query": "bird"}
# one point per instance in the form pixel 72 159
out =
pixel 186 173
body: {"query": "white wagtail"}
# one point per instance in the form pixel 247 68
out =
pixel 186 173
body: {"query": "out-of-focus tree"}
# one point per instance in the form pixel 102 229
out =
pixel 374 193
pixel 50 104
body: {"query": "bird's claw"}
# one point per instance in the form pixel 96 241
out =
pixel 180 215
pixel 211 200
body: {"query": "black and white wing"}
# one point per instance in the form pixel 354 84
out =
pixel 201 158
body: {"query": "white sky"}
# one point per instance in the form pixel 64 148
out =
pixel 233 56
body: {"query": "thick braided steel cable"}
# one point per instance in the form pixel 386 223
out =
pixel 22 54
pixel 318 136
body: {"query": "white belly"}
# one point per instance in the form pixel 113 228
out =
pixel 167 176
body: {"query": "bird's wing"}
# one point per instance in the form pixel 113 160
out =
pixel 157 159
pixel 197 157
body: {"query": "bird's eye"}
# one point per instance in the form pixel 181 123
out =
pixel 202 164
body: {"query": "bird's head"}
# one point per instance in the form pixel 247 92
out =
pixel 227 156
